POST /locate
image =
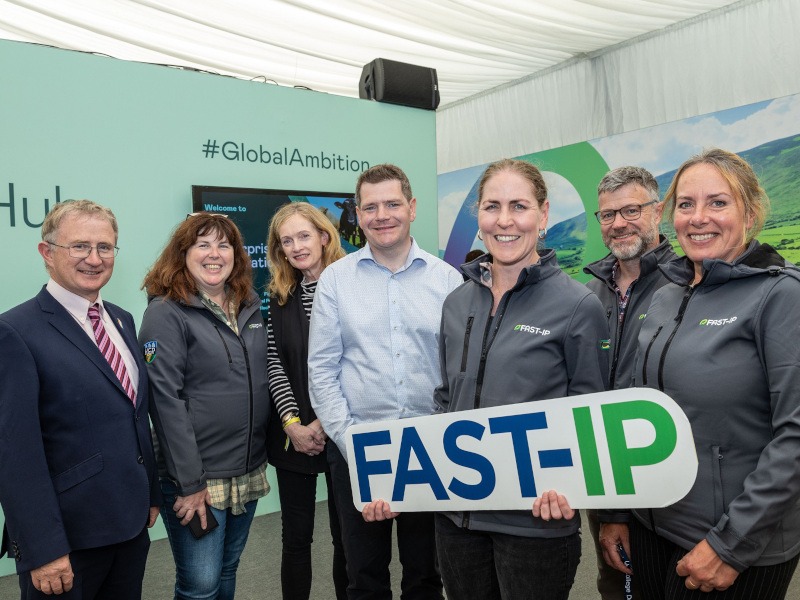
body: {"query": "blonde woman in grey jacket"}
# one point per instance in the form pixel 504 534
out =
pixel 721 340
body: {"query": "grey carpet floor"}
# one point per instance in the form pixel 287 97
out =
pixel 259 571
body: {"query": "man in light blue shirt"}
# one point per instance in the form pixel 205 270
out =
pixel 373 356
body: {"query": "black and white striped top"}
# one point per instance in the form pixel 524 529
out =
pixel 279 385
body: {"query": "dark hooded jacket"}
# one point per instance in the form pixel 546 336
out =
pixel 209 397
pixel 726 350
pixel 543 342
pixel 624 337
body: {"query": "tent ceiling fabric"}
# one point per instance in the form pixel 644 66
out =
pixel 474 45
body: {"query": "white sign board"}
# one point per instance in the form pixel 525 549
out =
pixel 628 448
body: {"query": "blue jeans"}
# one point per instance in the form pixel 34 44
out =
pixel 491 566
pixel 206 568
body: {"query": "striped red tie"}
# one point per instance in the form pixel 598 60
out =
pixel 110 352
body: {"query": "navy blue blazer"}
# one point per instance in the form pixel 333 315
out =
pixel 76 459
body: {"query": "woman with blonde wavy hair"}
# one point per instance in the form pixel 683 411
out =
pixel 301 243
pixel 721 340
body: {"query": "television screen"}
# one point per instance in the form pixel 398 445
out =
pixel 252 209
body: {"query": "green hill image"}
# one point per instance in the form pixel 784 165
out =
pixel 568 239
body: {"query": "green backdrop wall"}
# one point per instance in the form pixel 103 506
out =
pixel 136 137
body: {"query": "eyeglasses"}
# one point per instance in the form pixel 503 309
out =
pixel 629 213
pixel 85 250
pixel 195 214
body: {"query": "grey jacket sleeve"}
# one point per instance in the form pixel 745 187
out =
pixel 587 361
pixel 163 323
pixel 441 394
pixel 772 490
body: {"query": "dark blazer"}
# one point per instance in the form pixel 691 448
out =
pixel 76 459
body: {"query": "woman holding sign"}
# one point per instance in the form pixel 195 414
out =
pixel 722 341
pixel 519 330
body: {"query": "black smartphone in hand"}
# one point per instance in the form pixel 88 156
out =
pixel 194 524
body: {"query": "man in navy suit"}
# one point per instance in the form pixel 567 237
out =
pixel 78 483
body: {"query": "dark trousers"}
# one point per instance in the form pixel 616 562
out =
pixel 368 546
pixel 298 503
pixel 610 582
pixel 655 558
pixel 495 566
pixel 112 572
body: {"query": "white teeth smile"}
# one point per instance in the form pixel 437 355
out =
pixel 701 237
pixel 212 267
pixel 506 238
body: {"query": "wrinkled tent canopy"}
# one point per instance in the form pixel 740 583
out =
pixel 474 45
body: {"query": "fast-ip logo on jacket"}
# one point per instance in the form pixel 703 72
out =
pixel 717 322
pixel 532 329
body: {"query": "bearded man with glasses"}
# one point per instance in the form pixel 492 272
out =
pixel 625 280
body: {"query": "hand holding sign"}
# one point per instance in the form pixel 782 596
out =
pixel 623 449
pixel 377 510
pixel 552 505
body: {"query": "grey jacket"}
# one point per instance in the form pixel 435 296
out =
pixel 624 337
pixel 543 342
pixel 726 351
pixel 209 397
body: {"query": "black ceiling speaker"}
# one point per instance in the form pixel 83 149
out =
pixel 399 83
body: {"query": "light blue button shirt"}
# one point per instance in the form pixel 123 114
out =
pixel 373 350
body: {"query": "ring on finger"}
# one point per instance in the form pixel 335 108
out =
pixel 691 584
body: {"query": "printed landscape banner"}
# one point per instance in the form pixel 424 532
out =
pixel 766 134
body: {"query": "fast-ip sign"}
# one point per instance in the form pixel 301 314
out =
pixel 622 449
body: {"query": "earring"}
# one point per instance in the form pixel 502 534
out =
pixel 543 233
pixel 480 235
pixel 285 257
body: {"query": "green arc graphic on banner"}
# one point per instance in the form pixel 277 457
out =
pixel 583 166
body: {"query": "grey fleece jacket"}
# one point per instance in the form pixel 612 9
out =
pixel 727 351
pixel 624 337
pixel 491 361
pixel 209 398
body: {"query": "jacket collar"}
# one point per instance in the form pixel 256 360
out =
pixel 251 305
pixel 648 262
pixel 546 266
pixel 67 326
pixel 757 259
